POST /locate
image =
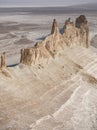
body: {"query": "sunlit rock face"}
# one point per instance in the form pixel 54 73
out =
pixel 3 62
pixel 73 34
pixel 35 55
pixel 82 24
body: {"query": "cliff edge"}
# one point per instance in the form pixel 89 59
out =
pixel 73 34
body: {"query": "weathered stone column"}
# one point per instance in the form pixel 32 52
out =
pixel 22 56
pixel 55 28
pixel 3 63
pixel 82 24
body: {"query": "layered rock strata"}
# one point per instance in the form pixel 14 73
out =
pixel 73 34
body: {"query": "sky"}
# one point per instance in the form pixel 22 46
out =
pixel 42 2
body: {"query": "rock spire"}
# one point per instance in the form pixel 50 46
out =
pixel 3 62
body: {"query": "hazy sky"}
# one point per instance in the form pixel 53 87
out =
pixel 43 2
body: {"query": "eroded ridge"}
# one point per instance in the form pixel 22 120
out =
pixel 73 34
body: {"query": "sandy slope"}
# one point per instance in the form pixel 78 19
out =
pixel 60 96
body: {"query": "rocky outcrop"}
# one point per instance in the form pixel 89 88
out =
pixel 73 34
pixel 55 28
pixel 35 55
pixel 78 33
pixel 82 24
pixel 3 63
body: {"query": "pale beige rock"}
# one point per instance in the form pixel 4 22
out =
pixel 35 55
pixel 82 24
pixel 73 34
pixel 3 62
pixel 70 34
pixel 55 28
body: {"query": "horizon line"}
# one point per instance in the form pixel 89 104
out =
pixel 43 5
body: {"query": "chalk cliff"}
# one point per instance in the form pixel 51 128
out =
pixel 73 34
pixel 59 96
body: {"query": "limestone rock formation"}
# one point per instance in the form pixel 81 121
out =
pixel 82 24
pixel 73 34
pixel 55 28
pixel 3 63
pixel 70 33
pixel 35 55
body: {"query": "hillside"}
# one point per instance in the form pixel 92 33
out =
pixel 54 87
pixel 55 97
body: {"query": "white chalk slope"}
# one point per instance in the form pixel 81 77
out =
pixel 60 96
